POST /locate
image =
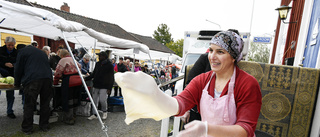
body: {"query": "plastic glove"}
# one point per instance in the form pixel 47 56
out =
pixel 194 129
pixel 143 99
pixel 185 117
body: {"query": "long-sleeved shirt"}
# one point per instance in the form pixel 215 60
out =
pixel 84 67
pixel 65 66
pixel 7 57
pixel 122 68
pixel 32 64
pixel 103 75
pixel 247 95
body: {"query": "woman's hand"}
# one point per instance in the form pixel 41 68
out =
pixel 194 129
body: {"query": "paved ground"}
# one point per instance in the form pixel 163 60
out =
pixel 82 128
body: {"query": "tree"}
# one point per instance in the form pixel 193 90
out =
pixel 176 46
pixel 258 52
pixel 162 34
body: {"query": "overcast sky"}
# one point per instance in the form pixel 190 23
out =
pixel 144 16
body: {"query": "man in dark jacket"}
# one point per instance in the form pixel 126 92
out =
pixel 8 56
pixel 103 79
pixel 121 66
pixel 32 70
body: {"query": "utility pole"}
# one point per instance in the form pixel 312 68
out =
pixel 214 23
pixel 246 59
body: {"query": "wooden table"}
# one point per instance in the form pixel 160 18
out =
pixel 4 86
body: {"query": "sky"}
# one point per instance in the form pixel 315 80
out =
pixel 144 16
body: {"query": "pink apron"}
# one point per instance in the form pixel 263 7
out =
pixel 222 110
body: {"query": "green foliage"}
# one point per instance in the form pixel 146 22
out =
pixel 176 46
pixel 162 34
pixel 258 52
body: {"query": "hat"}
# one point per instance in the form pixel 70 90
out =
pixel 34 43
pixel 231 42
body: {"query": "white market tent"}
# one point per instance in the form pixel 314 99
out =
pixel 46 24
pixel 40 22
pixel 156 55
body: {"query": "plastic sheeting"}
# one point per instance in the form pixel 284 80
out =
pixel 143 56
pixel 46 24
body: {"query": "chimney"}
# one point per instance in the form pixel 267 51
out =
pixel 65 7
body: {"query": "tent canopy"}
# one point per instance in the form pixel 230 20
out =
pixel 143 56
pixel 46 24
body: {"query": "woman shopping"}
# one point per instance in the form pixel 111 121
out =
pixel 70 86
pixel 103 79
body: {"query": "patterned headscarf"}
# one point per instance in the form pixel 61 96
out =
pixel 231 42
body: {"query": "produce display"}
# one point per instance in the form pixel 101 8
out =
pixel 7 80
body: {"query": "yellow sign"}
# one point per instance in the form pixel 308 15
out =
pixel 19 39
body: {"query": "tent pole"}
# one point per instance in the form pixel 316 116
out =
pixel 104 127
pixel 94 47
pixel 92 62
pixel 155 72
pixel 164 122
pixel 82 46
pixel 134 57
pixel 93 55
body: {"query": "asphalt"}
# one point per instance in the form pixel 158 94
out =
pixel 116 126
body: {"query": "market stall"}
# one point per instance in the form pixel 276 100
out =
pixel 46 24
pixel 4 86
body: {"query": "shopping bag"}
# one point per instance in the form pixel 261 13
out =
pixel 84 109
pixel 75 80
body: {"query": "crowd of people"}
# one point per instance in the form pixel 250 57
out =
pixel 37 71
pixel 163 74
pixel 33 75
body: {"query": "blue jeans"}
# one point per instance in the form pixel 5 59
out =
pixel 10 101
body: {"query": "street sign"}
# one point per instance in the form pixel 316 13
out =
pixel 266 40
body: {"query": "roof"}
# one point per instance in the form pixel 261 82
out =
pixel 153 44
pixel 101 26
pixel 97 25
pixel 24 2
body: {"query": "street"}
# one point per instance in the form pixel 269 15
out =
pixel 82 127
